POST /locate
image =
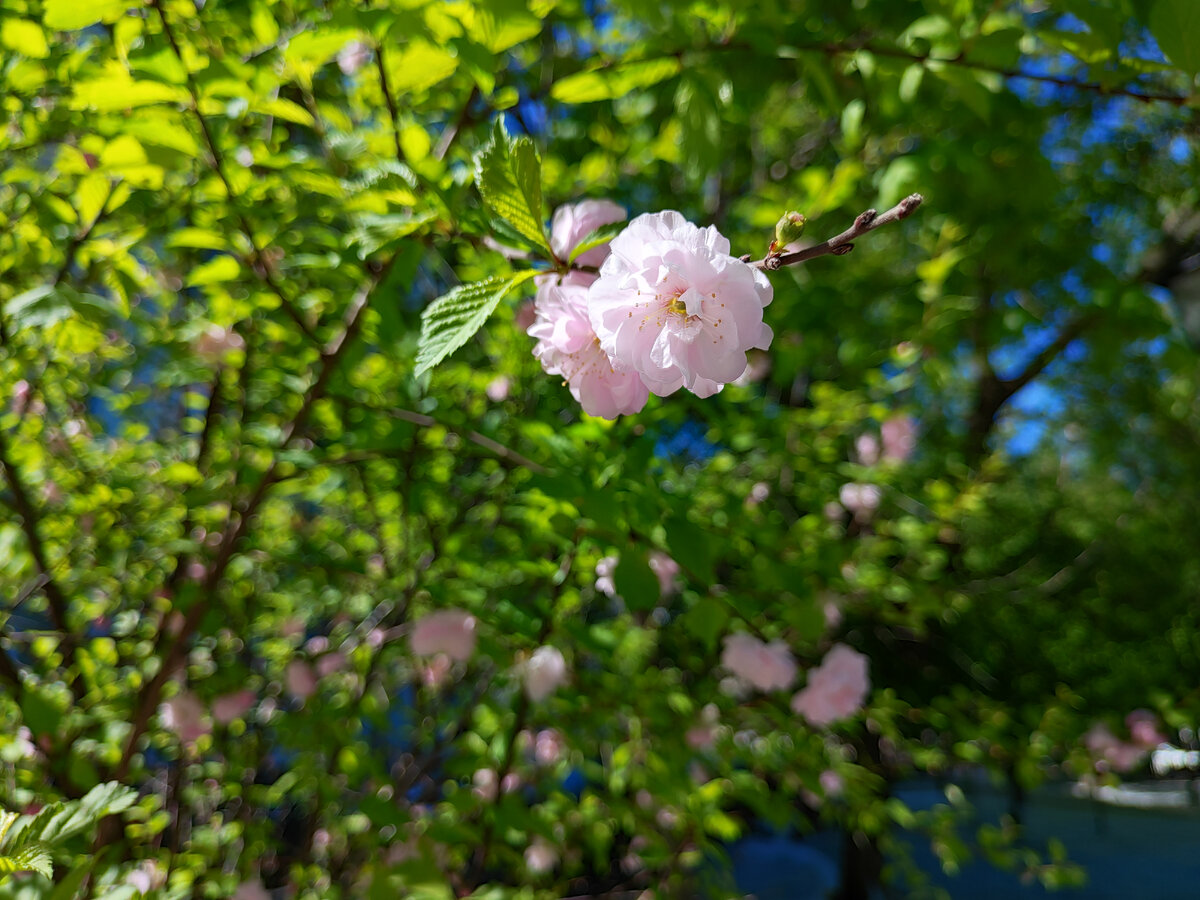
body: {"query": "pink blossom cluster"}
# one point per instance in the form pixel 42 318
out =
pixel 1110 752
pixel 836 689
pixel 669 309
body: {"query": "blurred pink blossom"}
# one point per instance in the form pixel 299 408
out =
pixel 328 663
pixel 860 499
pixel 547 747
pixel 768 667
pixel 758 493
pixel 183 715
pixel 526 315
pixel 251 890
pixel 498 388
pixel 229 707
pixel 866 449
pixel 20 397
pixel 836 689
pixel 148 876
pixel 899 438
pixel 604 575
pixel 540 856
pixel 831 783
pixel 353 56
pixel 703 735
pixel 449 631
pixel 667 571
pixel 544 671
pixel 215 343
pixel 485 784
pixel 573 222
pixel 1143 728
pixel 300 679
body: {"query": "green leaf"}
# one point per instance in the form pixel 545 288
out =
pixel 1175 24
pixel 70 15
pixel 597 238
pixel 59 822
pixel 636 582
pixel 449 321
pixel 30 858
pixel 24 37
pixel 215 271
pixel 508 173
pixel 689 546
pixel 615 81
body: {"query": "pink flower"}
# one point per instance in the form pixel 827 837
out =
pixel 866 449
pixel 831 783
pixel 229 707
pixel 183 715
pixel 300 678
pixel 216 342
pixel 329 663
pixel 667 571
pixel 704 735
pixel 484 784
pixel 758 493
pixel 836 689
pixel 449 631
pixel 547 747
pixel 673 305
pixel 146 877
pixel 861 499
pixel 540 856
pixel 1143 728
pixel 525 316
pixel 251 890
pixel 768 667
pixel 20 397
pixel 567 346
pixel 1109 751
pixel 544 671
pixel 605 568
pixel 353 56
pixel 498 388
pixel 899 438
pixel 573 222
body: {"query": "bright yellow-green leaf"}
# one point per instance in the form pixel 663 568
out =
pixel 419 66
pixel 24 37
pixel 283 109
pixel 199 238
pixel 449 321
pixel 615 81
pixel 215 271
pixel 70 15
pixel 122 92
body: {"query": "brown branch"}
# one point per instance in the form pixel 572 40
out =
pixel 961 61
pixel 390 101
pixel 1070 332
pixel 259 262
pixel 453 130
pixel 55 597
pixel 842 243
pixel 174 656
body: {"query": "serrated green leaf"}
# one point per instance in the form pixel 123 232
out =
pixel 58 822
pixel 508 173
pixel 615 81
pixel 30 858
pixel 449 321
pixel 597 238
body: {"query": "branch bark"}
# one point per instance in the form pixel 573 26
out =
pixel 842 244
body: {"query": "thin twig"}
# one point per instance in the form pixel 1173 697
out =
pixel 390 101
pixel 842 243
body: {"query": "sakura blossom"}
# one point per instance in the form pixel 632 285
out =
pixel 899 435
pixel 674 306
pixel 20 397
pixel 251 890
pixel 666 570
pixel 229 707
pixel 540 856
pixel 766 666
pixel 567 346
pixel 148 876
pixel 1143 728
pixel 547 747
pixel 184 716
pixel 860 499
pixel 866 449
pixel 353 56
pixel 605 569
pixel 836 689
pixel 1110 752
pixel 544 672
pixel 300 679
pixel 215 343
pixel 498 388
pixel 573 222
pixel 831 783
pixel 449 631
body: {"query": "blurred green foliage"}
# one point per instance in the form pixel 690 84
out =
pixel 224 469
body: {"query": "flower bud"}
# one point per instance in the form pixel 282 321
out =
pixel 789 228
